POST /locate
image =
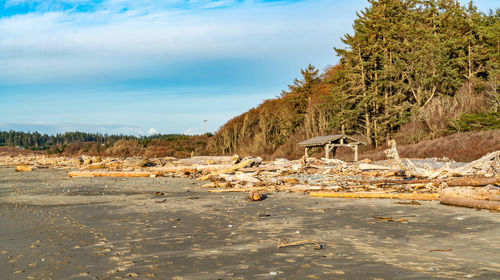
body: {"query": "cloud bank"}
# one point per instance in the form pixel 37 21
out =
pixel 118 40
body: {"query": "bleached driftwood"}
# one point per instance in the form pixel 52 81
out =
pixel 87 174
pixel 233 168
pixel 461 181
pixel 190 168
pixel 369 166
pixel 392 152
pixel 483 198
pixel 412 196
pixel 486 162
pixel 224 190
pixel 438 172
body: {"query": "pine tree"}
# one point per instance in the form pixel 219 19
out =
pixel 298 96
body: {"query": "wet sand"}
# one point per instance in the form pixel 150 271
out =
pixel 55 227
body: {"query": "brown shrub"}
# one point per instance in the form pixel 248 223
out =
pixel 95 149
pixel 124 147
pixel 433 119
pixel 5 151
pixel 466 146
pixel 158 151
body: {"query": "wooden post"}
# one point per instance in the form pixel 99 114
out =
pixel 327 151
pixel 306 150
pixel 334 151
pixel 355 152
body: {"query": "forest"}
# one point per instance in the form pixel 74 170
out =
pixel 411 71
pixel 36 140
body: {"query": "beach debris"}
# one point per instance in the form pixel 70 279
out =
pixel 244 163
pixel 76 174
pixel 255 195
pixel 478 182
pixel 392 152
pixel 413 202
pixel 246 177
pixel 236 189
pixel 481 198
pixel 159 193
pixel 284 243
pixel 411 196
pixel 486 165
pixel 145 162
pixel 85 160
pixel 395 178
pixel 369 166
pixel 236 159
pixel 23 168
pixel 132 274
pixel 389 219
pixel 441 250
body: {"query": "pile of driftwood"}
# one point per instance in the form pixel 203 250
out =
pixel 395 178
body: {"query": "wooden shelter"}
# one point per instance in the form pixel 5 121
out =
pixel 332 142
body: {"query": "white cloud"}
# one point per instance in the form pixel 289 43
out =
pixel 152 131
pixel 192 131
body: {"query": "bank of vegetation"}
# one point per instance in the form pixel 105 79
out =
pixel 412 70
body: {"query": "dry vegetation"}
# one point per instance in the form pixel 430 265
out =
pixel 464 146
pixel 180 146
pixel 7 151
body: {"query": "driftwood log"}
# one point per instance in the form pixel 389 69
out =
pixel 255 195
pixel 463 181
pixel 86 174
pixel 482 198
pixel 411 196
pixel 282 243
pixel 472 181
pixel 227 170
pixel 23 168
pixel 224 190
pixel 190 168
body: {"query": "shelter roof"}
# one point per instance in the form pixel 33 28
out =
pixel 329 139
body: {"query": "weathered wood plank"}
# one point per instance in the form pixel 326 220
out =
pixel 412 196
pixel 87 174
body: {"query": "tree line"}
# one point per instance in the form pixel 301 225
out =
pixel 36 140
pixel 416 69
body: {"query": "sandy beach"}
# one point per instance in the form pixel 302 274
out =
pixel 55 227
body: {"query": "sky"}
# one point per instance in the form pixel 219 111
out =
pixel 143 67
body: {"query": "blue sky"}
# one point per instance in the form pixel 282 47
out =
pixel 126 66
